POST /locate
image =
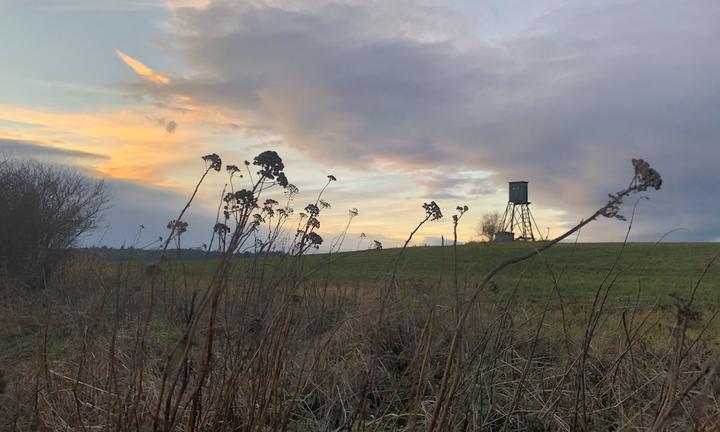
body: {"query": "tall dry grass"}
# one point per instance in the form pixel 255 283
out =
pixel 260 345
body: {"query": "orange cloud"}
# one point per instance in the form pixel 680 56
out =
pixel 134 144
pixel 142 70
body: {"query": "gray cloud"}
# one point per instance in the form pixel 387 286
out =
pixel 564 105
pixel 134 204
pixel 23 148
pixel 461 186
pixel 171 126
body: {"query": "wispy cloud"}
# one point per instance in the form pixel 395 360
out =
pixel 23 148
pixel 142 70
pixel 136 146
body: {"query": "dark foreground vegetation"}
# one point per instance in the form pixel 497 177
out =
pixel 403 339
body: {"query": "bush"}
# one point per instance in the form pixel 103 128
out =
pixel 44 209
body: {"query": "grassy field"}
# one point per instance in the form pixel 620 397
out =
pixel 657 271
pixel 309 343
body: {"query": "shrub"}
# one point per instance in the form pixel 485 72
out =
pixel 44 209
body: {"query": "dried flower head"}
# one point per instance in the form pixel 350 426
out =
pixel 377 245
pixel 313 222
pixel 461 211
pixel 332 177
pixel 645 177
pixel 214 160
pixel 313 239
pixel 245 198
pixel 178 226
pixel 271 167
pixel 312 209
pixel 232 169
pixel 221 229
pixel 432 210
pixel 353 212
pixel 324 204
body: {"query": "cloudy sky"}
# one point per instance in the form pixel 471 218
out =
pixel 404 101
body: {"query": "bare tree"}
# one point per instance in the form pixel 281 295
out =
pixel 43 211
pixel 489 225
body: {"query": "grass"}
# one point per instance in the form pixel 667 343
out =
pixel 505 337
pixel 658 270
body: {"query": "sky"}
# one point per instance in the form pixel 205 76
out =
pixel 403 101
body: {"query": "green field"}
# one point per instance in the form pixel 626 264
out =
pixel 657 270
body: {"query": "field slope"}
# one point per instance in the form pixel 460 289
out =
pixel 658 271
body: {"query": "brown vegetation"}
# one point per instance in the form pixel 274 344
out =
pixel 263 346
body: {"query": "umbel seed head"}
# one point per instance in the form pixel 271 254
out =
pixel 646 177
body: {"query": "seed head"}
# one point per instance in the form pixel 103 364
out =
pixel 312 209
pixel 179 226
pixel 214 160
pixel 432 210
pixel 313 239
pixel 646 177
pixel 221 229
pixel 271 167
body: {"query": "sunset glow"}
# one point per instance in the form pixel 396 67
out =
pixel 439 101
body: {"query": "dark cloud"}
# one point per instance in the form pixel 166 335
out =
pixel 134 204
pixel 441 185
pixel 483 187
pixel 171 126
pixel 23 148
pixel 564 105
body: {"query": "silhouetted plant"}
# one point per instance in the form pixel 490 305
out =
pixel 242 207
pixel 644 177
pixel 461 210
pixel 214 160
pixel 303 239
pixel 340 239
pixel 271 167
pixel 432 210
pixel 361 237
pixel 432 213
pixel 178 226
